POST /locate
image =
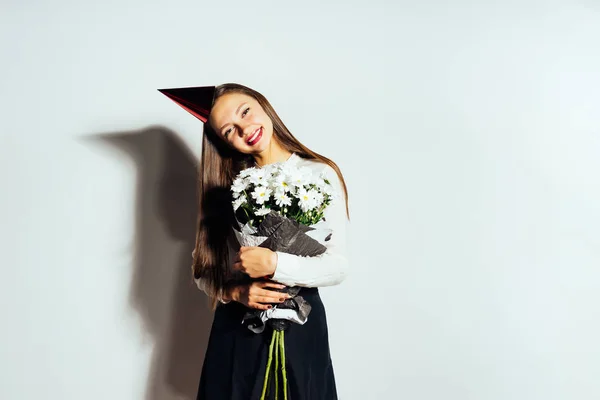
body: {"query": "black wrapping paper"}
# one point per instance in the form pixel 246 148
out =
pixel 285 235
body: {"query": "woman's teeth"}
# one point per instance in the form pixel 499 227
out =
pixel 255 136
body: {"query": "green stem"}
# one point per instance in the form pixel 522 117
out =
pixel 277 364
pixel 264 391
pixel 282 344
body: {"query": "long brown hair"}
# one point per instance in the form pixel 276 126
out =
pixel 219 164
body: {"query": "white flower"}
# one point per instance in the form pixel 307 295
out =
pixel 286 169
pixel 282 182
pixel 238 185
pixel 261 194
pixel 262 211
pixel 246 172
pixel 306 199
pixel 282 199
pixel 239 201
pixel 300 176
pixel 317 197
pixel 269 168
pixel 258 177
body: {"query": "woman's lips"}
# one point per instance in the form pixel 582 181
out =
pixel 252 140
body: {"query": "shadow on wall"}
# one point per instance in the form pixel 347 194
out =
pixel 175 313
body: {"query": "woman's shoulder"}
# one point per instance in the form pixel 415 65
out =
pixel 313 163
pixel 327 171
pixel 320 167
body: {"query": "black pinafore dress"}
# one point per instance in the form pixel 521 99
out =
pixel 236 358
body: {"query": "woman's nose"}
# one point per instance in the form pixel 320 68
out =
pixel 245 130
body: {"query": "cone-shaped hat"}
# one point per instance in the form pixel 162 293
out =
pixel 197 100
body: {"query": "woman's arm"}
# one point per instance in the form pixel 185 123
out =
pixel 207 287
pixel 331 267
pixel 206 284
pixel 254 294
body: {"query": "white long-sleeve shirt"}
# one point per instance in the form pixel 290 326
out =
pixel 327 269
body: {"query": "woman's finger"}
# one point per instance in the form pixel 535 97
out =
pixel 267 291
pixel 273 285
pixel 259 306
pixel 271 294
pixel 277 296
pixel 269 299
pixel 260 286
pixel 267 296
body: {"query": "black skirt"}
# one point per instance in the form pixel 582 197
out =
pixel 236 358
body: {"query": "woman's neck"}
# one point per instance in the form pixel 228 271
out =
pixel 271 155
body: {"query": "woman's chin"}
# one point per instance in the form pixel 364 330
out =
pixel 259 147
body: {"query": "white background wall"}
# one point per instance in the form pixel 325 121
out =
pixel 468 135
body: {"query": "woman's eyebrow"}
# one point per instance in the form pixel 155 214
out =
pixel 236 113
pixel 238 109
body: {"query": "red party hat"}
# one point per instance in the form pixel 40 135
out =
pixel 197 100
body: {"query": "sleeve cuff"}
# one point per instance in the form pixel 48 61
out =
pixel 287 265
pixel 323 270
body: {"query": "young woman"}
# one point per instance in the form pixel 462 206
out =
pixel 242 130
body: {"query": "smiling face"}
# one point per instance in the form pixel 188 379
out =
pixel 241 122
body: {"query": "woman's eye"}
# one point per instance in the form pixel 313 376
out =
pixel 226 132
pixel 245 111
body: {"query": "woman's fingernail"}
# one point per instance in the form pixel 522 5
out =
pixel 269 306
pixel 282 299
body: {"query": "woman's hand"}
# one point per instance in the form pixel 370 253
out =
pixel 257 295
pixel 256 262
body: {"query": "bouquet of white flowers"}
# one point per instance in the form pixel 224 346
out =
pixel 281 207
pixel 293 192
